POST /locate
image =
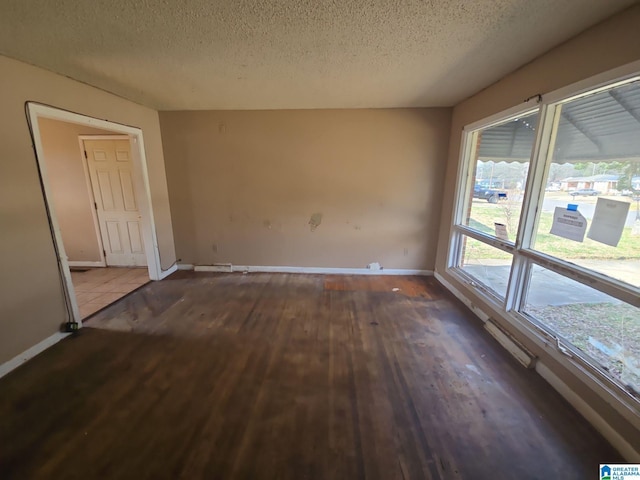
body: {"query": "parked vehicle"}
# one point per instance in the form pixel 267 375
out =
pixel 491 195
pixel 585 192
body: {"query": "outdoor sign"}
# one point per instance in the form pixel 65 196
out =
pixel 569 224
pixel 501 231
pixel 608 221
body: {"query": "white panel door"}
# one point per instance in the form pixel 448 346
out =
pixel 111 173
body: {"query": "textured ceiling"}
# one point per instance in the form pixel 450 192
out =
pixel 270 54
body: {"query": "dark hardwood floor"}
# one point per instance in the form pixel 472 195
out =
pixel 277 376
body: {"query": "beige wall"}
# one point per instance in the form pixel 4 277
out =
pixel 610 44
pixel 71 195
pixel 245 185
pixel 31 300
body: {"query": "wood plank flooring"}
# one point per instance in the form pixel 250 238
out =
pixel 282 376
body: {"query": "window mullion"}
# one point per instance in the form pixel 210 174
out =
pixel 518 278
pixel 592 279
pixel 532 202
pixel 488 239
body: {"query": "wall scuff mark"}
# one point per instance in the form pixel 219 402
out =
pixel 315 221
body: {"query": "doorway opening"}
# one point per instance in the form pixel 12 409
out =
pixel 95 183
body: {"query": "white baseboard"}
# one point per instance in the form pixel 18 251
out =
pixel 309 270
pixel 80 263
pixel 458 294
pixel 28 354
pixel 619 443
pixel 185 266
pixel 222 268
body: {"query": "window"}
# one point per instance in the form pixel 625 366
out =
pixel 601 326
pixel 595 156
pixel 554 190
pixel 487 265
pixel 499 165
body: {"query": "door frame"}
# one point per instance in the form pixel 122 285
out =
pixel 36 111
pixel 92 195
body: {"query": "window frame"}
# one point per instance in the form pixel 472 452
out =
pixel 475 282
pixel 524 256
pixel 463 186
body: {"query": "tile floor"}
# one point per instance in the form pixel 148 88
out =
pixel 98 287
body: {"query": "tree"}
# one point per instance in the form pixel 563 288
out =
pixel 560 171
pixel 632 169
pixel 590 168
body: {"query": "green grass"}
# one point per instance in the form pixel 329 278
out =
pixel 615 325
pixel 484 216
